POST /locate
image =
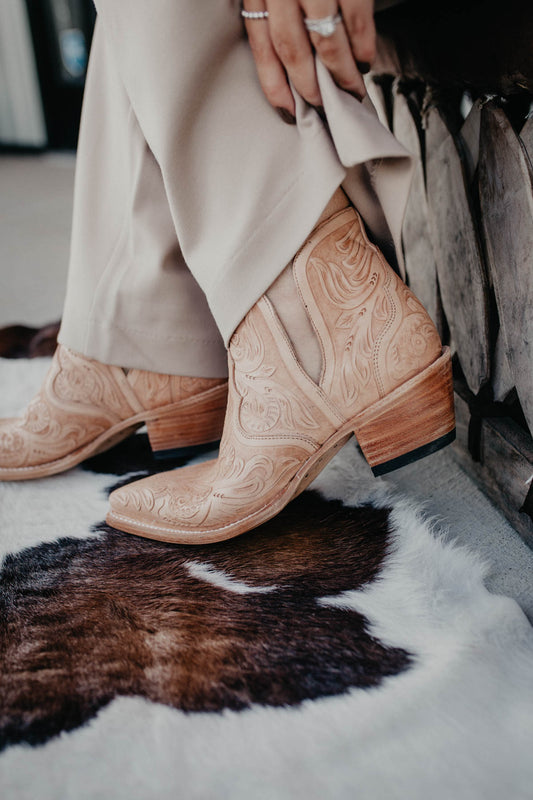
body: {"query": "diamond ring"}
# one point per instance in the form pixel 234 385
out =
pixel 324 26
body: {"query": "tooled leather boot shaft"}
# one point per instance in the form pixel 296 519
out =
pixel 373 331
pixel 154 389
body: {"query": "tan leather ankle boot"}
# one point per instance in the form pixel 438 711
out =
pixel 85 407
pixel 384 376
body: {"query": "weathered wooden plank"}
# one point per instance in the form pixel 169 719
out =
pixel 460 267
pixel 502 377
pixel 526 137
pixel 469 136
pixel 506 199
pixel 506 466
pixel 420 263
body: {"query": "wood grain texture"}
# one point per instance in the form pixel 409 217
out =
pixel 502 380
pixel 460 268
pixel 469 136
pixel 502 377
pixel 421 269
pixel 419 413
pixel 505 467
pixel 199 422
pixel 506 198
pixel 526 137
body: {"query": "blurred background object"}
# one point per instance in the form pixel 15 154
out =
pixel 44 47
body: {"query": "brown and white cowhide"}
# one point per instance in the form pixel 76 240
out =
pixel 22 341
pixel 200 629
pixel 343 650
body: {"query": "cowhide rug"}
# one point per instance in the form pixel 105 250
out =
pixel 22 341
pixel 343 650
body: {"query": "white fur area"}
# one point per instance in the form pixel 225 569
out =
pixel 20 380
pixel 456 726
pixel 217 577
pixel 29 509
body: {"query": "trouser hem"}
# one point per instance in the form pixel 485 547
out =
pixel 137 348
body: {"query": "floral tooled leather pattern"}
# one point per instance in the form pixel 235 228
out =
pixel 154 389
pixel 414 342
pixel 268 403
pixel 12 443
pixel 37 418
pixel 268 435
pixel 276 420
pixel 86 384
pixel 375 333
pixel 78 401
pixel 208 495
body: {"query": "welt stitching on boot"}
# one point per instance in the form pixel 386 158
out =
pixel 384 370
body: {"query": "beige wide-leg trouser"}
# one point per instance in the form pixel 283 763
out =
pixel 192 194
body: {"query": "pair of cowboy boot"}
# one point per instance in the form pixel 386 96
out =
pixel 383 376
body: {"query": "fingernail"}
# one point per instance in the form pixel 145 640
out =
pixel 363 67
pixel 286 116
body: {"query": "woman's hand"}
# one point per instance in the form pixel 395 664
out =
pixel 283 48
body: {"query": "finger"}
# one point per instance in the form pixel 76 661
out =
pixel 358 18
pixel 270 70
pixel 292 45
pixel 336 54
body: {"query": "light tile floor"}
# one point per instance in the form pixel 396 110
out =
pixel 35 214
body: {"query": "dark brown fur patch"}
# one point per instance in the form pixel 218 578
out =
pixel 84 621
pixel 21 341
